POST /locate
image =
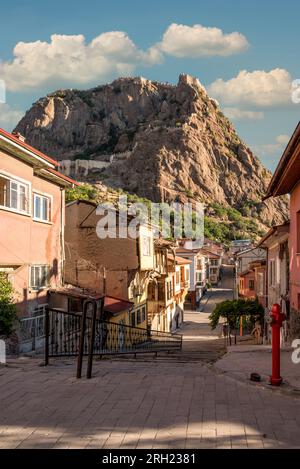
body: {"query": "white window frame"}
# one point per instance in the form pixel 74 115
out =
pixel 49 199
pixel 20 183
pixel 272 273
pixel 146 246
pixel 38 286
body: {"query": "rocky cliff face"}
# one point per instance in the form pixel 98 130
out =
pixel 153 139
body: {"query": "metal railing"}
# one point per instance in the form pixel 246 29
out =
pixel 83 334
pixel 31 333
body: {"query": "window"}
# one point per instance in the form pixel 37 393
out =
pixel 213 271
pixel 169 290
pixel 272 273
pixel 187 274
pixel 199 277
pixel 39 276
pixel 141 315
pixel 251 285
pixel 214 262
pixel 161 292
pixel 14 194
pixel 151 291
pixel 41 207
pixel 146 245
pixel 177 278
pixel 132 318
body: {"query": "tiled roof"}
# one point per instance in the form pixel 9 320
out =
pixel 115 305
pixel 39 154
pixel 25 145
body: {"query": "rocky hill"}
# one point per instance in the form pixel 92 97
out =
pixel 158 141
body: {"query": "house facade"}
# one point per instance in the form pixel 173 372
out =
pixel 120 267
pixel 276 244
pixel 286 180
pixel 213 262
pixel 245 258
pixel 168 289
pixel 198 271
pixel 32 201
pixel 259 268
pixel 247 287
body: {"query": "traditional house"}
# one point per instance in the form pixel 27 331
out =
pixel 239 245
pixel 213 262
pixel 246 257
pixel 168 290
pixel 276 244
pixel 259 268
pixel 214 246
pixel 286 180
pixel 71 299
pixel 246 285
pixel 198 270
pixel 115 266
pixel 32 207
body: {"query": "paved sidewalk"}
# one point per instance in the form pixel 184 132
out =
pixel 176 401
pixel 139 405
pixel 242 360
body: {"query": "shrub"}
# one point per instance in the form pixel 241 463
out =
pixel 8 313
pixel 233 310
pixel 82 192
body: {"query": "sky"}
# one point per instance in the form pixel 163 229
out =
pixel 246 54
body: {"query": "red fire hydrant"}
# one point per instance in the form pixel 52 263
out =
pixel 277 320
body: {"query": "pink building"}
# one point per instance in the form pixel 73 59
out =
pixel 247 285
pixel 32 200
pixel 286 180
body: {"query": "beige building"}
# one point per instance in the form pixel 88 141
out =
pixel 114 266
pixel 168 289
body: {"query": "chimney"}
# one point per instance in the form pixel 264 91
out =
pixel 19 136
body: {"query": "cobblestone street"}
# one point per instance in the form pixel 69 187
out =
pixel 172 402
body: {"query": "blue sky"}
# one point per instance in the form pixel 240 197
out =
pixel 268 41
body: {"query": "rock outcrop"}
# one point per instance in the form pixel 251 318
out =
pixel 153 139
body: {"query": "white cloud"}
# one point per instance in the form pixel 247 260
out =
pixel 258 88
pixel 271 149
pixel 283 139
pixel 234 113
pixel 9 117
pixel 2 91
pixel 70 60
pixel 200 41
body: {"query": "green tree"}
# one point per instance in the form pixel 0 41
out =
pixel 8 313
pixel 233 310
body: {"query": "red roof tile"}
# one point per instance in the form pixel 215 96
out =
pixel 62 176
pixel 115 305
